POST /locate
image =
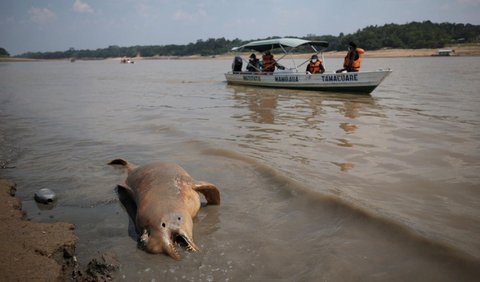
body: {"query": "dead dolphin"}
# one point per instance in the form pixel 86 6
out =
pixel 162 200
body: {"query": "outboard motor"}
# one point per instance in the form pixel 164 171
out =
pixel 237 64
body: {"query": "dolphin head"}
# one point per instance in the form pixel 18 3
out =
pixel 173 228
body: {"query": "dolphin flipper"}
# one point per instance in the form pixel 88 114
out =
pixel 125 195
pixel 210 191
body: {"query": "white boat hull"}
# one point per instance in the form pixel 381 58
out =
pixel 358 82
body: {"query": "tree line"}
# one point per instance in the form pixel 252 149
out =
pixel 412 35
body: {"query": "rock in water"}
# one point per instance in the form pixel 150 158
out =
pixel 45 196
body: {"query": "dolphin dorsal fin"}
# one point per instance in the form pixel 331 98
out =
pixel 210 191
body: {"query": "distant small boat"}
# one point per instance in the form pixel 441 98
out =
pixel 126 61
pixel 359 82
pixel 445 52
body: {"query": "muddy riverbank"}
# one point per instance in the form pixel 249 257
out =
pixel 42 251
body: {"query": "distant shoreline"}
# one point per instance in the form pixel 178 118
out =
pixel 459 51
pixel 473 50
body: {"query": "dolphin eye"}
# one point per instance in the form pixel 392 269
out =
pixel 163 224
pixel 179 218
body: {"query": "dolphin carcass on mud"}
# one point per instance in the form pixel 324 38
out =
pixel 162 200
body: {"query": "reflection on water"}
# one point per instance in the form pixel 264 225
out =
pixel 301 117
pixel 263 103
pixel 315 186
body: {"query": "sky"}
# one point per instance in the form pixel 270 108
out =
pixel 57 25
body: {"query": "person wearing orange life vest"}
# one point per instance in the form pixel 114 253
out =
pixel 315 65
pixel 269 63
pixel 353 59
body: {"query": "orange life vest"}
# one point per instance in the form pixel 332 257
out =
pixel 268 63
pixel 314 67
pixel 354 64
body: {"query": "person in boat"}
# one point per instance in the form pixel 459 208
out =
pixel 269 63
pixel 353 59
pixel 315 65
pixel 253 64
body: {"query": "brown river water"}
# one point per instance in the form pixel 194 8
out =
pixel 315 186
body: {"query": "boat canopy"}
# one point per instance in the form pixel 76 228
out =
pixel 269 44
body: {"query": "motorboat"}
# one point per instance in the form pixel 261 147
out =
pixel 126 61
pixel 296 77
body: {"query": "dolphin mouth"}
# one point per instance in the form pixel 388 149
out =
pixel 172 240
pixel 183 241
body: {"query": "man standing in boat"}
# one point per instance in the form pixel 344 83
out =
pixel 315 65
pixel 353 59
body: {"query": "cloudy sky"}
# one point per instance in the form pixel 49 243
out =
pixel 57 25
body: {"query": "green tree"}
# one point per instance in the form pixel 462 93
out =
pixel 4 53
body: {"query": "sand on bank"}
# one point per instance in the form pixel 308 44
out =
pixel 460 50
pixel 32 251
